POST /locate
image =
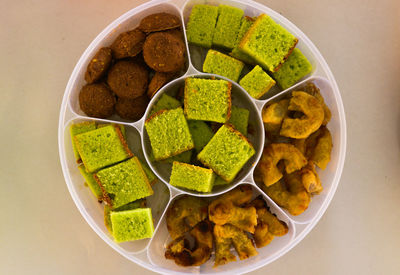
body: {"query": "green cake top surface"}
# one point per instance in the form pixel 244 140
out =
pixel 102 147
pixel 207 99
pixel 247 22
pixel 201 25
pixel 257 82
pixel 192 177
pixel 222 64
pixel 227 28
pixel 227 152
pixel 240 119
pixel 132 205
pixel 168 133
pixel 201 133
pixel 295 68
pixel 79 128
pixel 91 182
pixel 165 102
pixel 130 225
pixel 124 182
pixel 268 43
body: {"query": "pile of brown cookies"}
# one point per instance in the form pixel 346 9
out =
pixel 118 76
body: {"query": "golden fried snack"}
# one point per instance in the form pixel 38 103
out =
pixel 313 90
pixel 274 153
pixel 268 225
pixel 180 251
pixel 289 193
pixel 225 209
pixel 323 148
pixel 307 124
pixel 184 213
pixel 274 114
pixel 310 178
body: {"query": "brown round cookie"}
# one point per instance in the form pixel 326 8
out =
pixel 158 80
pixel 132 109
pixel 159 22
pixel 128 44
pixel 128 79
pixel 99 65
pixel 177 33
pixel 96 100
pixel 164 52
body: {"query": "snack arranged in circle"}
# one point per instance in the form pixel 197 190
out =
pixel 230 219
pixel 298 140
pixel 266 47
pixel 116 177
pixel 122 78
pixel 201 157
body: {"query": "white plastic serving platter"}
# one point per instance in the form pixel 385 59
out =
pixel 149 253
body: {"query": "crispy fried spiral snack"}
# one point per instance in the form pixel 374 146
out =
pixel 225 209
pixel 310 178
pixel 309 122
pixel 274 153
pixel 268 225
pixel 227 234
pixel 313 90
pixel 290 193
pixel 180 251
pixel 184 213
pixel 273 116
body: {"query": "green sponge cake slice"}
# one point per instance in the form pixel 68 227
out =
pixel 295 68
pixel 91 182
pixel 257 82
pixel 165 102
pixel 207 99
pixel 102 147
pixel 201 25
pixel 201 133
pixel 120 126
pixel 240 119
pixel 131 225
pixel 228 25
pixel 168 133
pixel 123 183
pixel 247 22
pixel 192 177
pixel 226 153
pixel 268 43
pixel 222 64
pixel 132 205
pixel 79 128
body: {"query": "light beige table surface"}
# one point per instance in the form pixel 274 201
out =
pixel 41 230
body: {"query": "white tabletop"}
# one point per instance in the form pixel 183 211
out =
pixel 42 231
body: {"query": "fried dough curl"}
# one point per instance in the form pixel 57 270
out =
pixel 184 213
pixel 226 209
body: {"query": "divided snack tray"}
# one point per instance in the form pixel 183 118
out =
pixel 149 253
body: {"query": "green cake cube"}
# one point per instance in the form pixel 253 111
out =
pixel 240 119
pixel 201 133
pixel 222 64
pixel 226 153
pixel 165 102
pixel 201 25
pixel 247 22
pixel 79 128
pixel 168 133
pixel 131 225
pixel 295 68
pixel 257 82
pixel 228 25
pixel 120 126
pixel 207 99
pixel 102 147
pixel 91 182
pixel 192 177
pixel 132 205
pixel 124 182
pixel 268 43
